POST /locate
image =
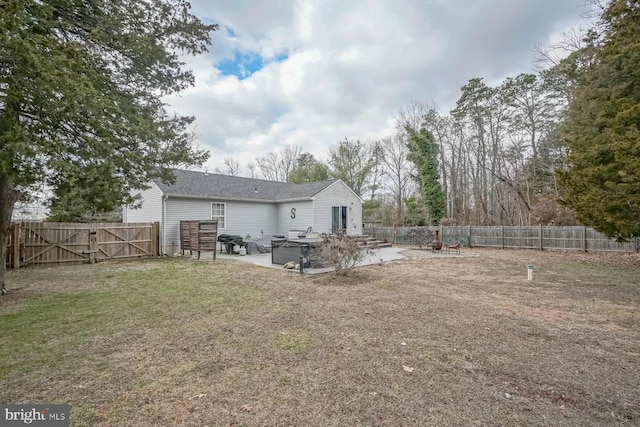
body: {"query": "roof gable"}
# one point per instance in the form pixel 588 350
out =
pixel 216 186
pixel 341 182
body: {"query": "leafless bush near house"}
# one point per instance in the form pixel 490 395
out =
pixel 341 252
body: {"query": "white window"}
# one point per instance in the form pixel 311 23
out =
pixel 218 211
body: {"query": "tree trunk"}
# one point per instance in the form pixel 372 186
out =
pixel 8 197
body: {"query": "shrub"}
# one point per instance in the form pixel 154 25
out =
pixel 341 252
pixel 419 236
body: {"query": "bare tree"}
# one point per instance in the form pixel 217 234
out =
pixel 269 166
pixel 231 167
pixel 378 169
pixel 398 171
pixel 252 170
pixel 412 116
pixel 459 162
pixel 534 110
pixel 289 155
pixel 482 111
pixel 278 166
pixel 548 56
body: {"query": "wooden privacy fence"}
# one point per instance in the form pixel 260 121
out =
pixel 533 237
pixel 51 243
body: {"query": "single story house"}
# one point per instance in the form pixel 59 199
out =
pixel 246 206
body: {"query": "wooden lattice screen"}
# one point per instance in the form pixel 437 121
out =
pixel 199 236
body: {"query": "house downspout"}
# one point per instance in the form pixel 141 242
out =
pixel 164 222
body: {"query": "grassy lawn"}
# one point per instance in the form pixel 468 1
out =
pixel 425 341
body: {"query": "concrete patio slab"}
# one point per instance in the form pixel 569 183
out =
pixel 373 256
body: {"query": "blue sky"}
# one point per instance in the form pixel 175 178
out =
pixel 244 64
pixel 311 73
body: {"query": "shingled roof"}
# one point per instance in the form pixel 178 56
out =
pixel 216 186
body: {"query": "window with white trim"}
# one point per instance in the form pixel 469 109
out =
pixel 218 211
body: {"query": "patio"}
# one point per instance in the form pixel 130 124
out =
pixel 373 256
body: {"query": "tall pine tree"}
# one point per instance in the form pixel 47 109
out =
pixel 352 162
pixel 308 169
pixel 602 130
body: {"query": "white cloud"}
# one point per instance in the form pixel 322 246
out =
pixel 351 65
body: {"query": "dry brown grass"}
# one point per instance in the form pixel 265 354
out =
pixel 182 342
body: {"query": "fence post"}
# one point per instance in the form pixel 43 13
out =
pixel 584 235
pixel 541 239
pixel 16 245
pixel 155 239
pixel 502 235
pixel 469 234
pixel 93 237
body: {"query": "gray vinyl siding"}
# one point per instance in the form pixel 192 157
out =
pixel 151 209
pixel 337 194
pixel 181 209
pixel 254 219
pixel 302 221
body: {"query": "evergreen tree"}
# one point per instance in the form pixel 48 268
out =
pixel 423 152
pixel 353 163
pixel 308 169
pixel 81 87
pixel 602 130
pixel 416 212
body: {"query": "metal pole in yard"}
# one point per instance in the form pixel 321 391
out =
pixel 304 254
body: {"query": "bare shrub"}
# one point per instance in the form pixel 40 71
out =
pixel 419 236
pixel 341 252
pixel 548 211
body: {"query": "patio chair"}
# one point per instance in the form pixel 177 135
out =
pixel 456 246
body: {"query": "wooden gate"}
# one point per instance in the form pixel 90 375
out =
pixel 44 243
pixel 47 243
pixel 113 241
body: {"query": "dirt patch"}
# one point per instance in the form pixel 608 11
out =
pixel 430 340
